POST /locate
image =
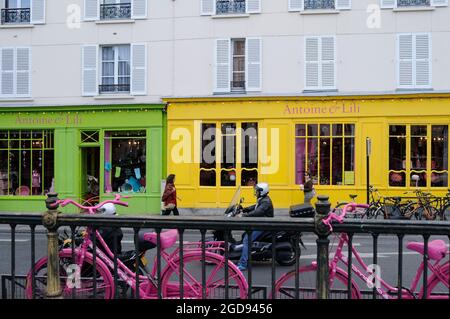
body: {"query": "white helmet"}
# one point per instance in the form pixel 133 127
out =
pixel 261 189
pixel 108 209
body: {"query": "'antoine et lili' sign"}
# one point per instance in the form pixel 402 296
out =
pixel 334 109
pixel 49 120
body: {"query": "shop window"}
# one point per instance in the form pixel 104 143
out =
pixel 125 161
pixel 403 164
pixel 26 162
pixel 231 171
pixel 327 152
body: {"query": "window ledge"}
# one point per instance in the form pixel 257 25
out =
pixel 16 99
pixel 112 21
pixel 16 26
pixel 319 11
pixel 414 89
pixel 224 16
pixel 409 9
pixel 113 97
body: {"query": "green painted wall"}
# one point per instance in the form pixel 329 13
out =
pixel 67 123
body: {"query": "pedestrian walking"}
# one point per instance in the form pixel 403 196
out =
pixel 308 189
pixel 169 197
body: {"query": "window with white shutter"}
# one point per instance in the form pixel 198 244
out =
pixel 15 72
pixel 390 4
pixel 414 61
pixel 227 7
pixel 253 6
pixel 139 9
pixel 343 4
pixel 222 66
pixel 320 63
pixel 37 11
pixel 91 10
pixel 89 72
pixel 20 11
pixel 295 5
pixel 138 69
pixel 207 7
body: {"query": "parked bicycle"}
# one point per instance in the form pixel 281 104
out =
pixel 437 266
pixel 96 281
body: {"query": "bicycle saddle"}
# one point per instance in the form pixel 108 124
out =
pixel 168 238
pixel 437 249
pixel 353 196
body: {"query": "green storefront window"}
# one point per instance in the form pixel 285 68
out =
pixel 125 161
pixel 26 162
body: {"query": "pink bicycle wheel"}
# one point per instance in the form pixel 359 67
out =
pixel 285 285
pixel 214 278
pixel 85 289
pixel 439 288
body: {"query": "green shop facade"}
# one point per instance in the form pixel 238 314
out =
pixel 87 153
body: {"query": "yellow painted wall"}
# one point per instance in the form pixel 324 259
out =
pixel 371 115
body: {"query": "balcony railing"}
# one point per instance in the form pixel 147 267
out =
pixel 413 3
pixel 230 7
pixel 16 16
pixel 319 4
pixel 237 86
pixel 115 11
pixel 114 88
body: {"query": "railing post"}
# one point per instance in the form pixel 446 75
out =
pixel 323 243
pixel 49 220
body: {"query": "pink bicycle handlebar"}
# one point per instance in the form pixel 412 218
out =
pixel 93 209
pixel 340 218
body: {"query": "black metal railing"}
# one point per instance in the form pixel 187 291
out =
pixel 19 275
pixel 230 7
pixel 16 16
pixel 114 88
pixel 413 3
pixel 319 4
pixel 115 11
pixel 238 86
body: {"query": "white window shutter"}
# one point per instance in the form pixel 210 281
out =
pixel 139 69
pixel 139 9
pixel 90 66
pixel 7 72
pixel 23 71
pixel 439 3
pixel 388 4
pixel 253 72
pixel 91 10
pixel 423 60
pixel 312 63
pixel 295 5
pixel 405 61
pixel 208 7
pixel 222 66
pixel 343 4
pixel 253 6
pixel 38 11
pixel 328 72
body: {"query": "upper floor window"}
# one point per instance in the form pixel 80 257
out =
pixel 390 4
pixel 22 11
pixel 114 69
pixel 115 73
pixel 114 9
pixel 320 63
pixel 309 5
pixel 238 65
pixel 227 7
pixel 15 75
pixel 414 61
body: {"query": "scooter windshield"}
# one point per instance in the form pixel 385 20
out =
pixel 234 200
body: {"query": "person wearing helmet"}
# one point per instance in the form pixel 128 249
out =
pixel 107 233
pixel 262 208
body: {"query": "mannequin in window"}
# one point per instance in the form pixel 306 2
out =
pixel 36 182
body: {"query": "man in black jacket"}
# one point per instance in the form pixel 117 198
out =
pixel 263 208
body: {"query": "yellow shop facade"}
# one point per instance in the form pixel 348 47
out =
pixel 219 143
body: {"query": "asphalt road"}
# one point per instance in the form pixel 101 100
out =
pixel 261 271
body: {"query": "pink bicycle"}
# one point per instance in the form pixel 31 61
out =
pixel 98 281
pixel 438 268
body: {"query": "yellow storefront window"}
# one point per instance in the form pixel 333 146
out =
pixel 327 152
pixel 420 150
pixel 221 149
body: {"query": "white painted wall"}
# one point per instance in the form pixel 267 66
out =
pixel 180 45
